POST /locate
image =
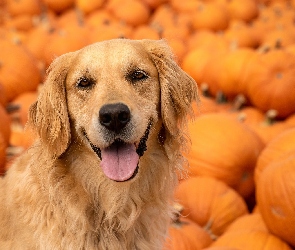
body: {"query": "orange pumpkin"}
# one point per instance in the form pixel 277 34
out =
pixel 3 100
pixel 222 147
pixel 275 150
pixel 24 101
pixel 270 79
pixel 245 10
pixel 248 223
pixel 69 38
pixel 17 7
pixel 145 32
pixel 184 234
pixel 18 71
pixel 59 6
pixel 22 138
pixel 210 203
pixel 265 125
pixel 275 197
pixel 5 123
pixel 2 153
pixel 240 34
pixel 88 6
pixel 37 38
pixel 251 240
pixel 210 15
pixel 133 12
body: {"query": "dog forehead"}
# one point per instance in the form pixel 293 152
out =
pixel 115 53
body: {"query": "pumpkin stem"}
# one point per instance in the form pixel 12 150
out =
pixel 80 17
pixel 263 49
pixel 278 44
pixel 270 117
pixel 207 228
pixel 205 89
pixel 11 108
pixel 220 97
pixel 239 102
pixel 178 208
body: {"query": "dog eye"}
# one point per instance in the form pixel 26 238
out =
pixel 138 75
pixel 84 83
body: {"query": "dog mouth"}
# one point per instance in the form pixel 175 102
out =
pixel 119 161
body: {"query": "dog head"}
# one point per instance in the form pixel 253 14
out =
pixel 113 95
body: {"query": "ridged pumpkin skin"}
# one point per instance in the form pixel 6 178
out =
pixel 185 234
pixel 18 71
pixel 248 223
pixel 223 148
pixel 251 240
pixel 210 203
pixel 270 79
pixel 274 150
pixel 275 197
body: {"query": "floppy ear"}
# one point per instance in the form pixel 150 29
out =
pixel 48 116
pixel 178 89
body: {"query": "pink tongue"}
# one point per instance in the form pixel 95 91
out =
pixel 119 161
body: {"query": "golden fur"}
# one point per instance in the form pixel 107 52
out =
pixel 56 196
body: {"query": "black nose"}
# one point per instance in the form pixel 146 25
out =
pixel 114 116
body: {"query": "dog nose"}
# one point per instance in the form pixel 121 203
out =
pixel 114 116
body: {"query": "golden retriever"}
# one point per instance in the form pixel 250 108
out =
pixel 110 123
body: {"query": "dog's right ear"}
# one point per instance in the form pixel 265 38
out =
pixel 48 116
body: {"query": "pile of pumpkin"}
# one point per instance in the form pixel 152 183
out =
pixel 237 191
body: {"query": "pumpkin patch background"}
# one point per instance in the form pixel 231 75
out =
pixel 237 191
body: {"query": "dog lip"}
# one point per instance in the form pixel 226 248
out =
pixel 141 147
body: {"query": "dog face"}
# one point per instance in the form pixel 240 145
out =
pixel 112 94
pixel 113 101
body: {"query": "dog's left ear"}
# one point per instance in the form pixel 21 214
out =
pixel 48 116
pixel 178 89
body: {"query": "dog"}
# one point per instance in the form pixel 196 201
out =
pixel 110 124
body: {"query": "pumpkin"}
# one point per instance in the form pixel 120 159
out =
pixel 283 36
pixel 248 223
pixel 210 203
pixel 195 62
pixel 226 71
pixel 210 15
pixel 20 7
pixel 23 22
pixel 275 197
pixel 245 10
pixel 5 124
pixel 265 125
pixel 18 70
pixel 163 17
pixel 145 32
pixel 2 153
pixel 37 38
pixel 69 38
pixel 274 150
pixel 59 6
pixel 3 101
pixel 22 139
pixel 251 240
pixel 133 12
pixel 270 79
pixel 207 39
pixel 99 17
pixel 222 147
pixel 154 3
pixel 240 34
pixel 88 6
pixel 24 101
pixel 184 234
